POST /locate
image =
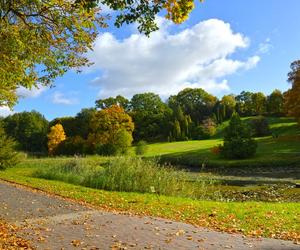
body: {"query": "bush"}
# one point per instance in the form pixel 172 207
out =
pixel 238 143
pixel 8 155
pixel 141 148
pixel 260 126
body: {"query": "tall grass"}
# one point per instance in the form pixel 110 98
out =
pixel 126 174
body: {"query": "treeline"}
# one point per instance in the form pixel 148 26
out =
pixel 189 115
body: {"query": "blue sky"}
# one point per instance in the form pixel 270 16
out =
pixel 224 47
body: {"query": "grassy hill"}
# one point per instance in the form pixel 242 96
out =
pixel 281 152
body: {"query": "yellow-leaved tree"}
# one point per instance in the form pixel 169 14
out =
pixel 55 137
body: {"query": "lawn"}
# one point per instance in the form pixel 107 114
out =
pixel 282 152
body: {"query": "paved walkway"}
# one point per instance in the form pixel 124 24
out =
pixel 54 223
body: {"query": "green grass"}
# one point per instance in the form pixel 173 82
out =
pixel 272 152
pixel 278 220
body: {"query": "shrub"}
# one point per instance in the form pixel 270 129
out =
pixel 141 148
pixel 8 155
pixel 260 126
pixel 238 143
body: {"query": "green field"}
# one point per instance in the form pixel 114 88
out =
pixel 282 152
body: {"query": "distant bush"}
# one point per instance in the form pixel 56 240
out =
pixel 238 143
pixel 8 155
pixel 141 148
pixel 260 126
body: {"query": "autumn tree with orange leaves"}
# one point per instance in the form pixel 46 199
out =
pixel 292 96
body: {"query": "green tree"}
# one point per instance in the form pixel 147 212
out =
pixel 196 103
pixel 244 103
pixel 106 126
pixel 40 40
pixel 151 117
pixel 83 120
pixel 29 129
pixel 108 102
pixel 8 155
pixel 259 103
pixel 238 142
pixel 275 103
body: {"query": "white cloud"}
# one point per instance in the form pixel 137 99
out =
pixel 5 111
pixel 165 63
pixel 60 98
pixel 31 93
pixel 265 47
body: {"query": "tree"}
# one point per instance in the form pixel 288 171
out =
pixel 83 120
pixel 292 96
pixel 55 137
pixel 69 124
pixel 8 155
pixel 259 102
pixel 196 103
pixel 29 129
pixel 244 103
pixel 229 103
pixel 151 117
pixel 238 143
pixel 108 102
pixel 106 125
pixel 275 103
pixel 260 126
pixel 40 40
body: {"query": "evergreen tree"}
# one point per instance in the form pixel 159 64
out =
pixel 8 156
pixel 238 142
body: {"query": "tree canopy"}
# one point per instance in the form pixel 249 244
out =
pixel 41 40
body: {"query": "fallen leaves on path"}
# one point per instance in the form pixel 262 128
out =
pixel 9 239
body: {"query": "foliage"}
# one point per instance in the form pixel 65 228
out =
pixel 71 146
pixel 238 143
pixel 108 102
pixel 275 103
pixel 141 148
pixel 41 40
pixel 55 137
pixel 83 120
pixel 8 155
pixel 196 103
pixel 29 129
pixel 292 96
pixel 111 129
pixel 260 126
pixel 208 128
pixel 259 102
pixel 151 117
